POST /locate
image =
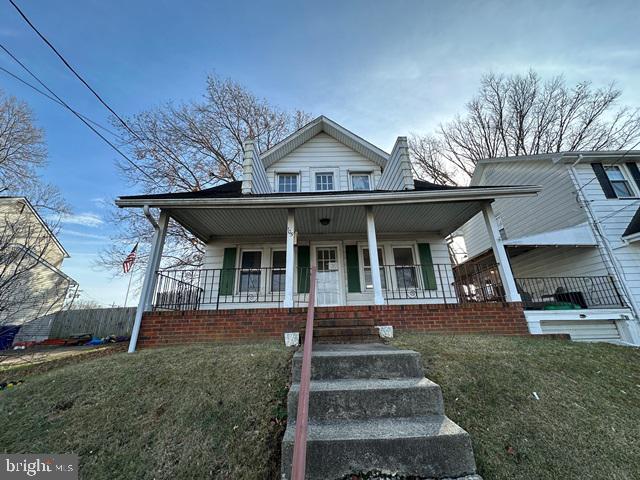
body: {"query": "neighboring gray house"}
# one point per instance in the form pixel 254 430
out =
pixel 574 249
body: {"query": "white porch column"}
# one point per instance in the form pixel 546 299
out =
pixel 289 266
pixel 150 277
pixel 373 258
pixel 500 254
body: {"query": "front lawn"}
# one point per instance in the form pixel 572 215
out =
pixel 585 422
pixel 190 413
pixel 216 411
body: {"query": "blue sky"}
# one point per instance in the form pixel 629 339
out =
pixel 380 68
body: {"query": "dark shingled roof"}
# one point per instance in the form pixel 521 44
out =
pixel 634 225
pixel 234 190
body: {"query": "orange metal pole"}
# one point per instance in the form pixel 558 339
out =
pixel 300 444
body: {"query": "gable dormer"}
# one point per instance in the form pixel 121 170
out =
pixel 324 156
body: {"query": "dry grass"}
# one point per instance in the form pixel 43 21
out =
pixel 188 412
pixel 586 423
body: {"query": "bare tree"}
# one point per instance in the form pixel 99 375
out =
pixel 524 115
pixel 30 283
pixel 22 154
pixel 190 147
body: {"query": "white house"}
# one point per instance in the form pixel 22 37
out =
pixel 322 197
pixel 574 248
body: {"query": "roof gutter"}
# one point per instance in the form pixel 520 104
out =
pixel 377 198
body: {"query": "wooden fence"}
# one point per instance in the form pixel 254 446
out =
pixel 99 322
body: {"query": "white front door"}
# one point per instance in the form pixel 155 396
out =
pixel 328 277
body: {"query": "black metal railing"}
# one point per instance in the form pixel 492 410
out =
pixel 217 288
pixel 569 292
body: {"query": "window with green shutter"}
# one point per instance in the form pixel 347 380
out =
pixel 353 269
pixel 304 265
pixel 228 274
pixel 426 262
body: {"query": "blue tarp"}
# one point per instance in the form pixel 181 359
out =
pixel 7 334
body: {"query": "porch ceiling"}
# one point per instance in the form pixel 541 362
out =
pixel 442 218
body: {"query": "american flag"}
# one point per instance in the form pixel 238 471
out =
pixel 128 262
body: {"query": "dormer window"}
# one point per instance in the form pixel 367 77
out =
pixel 324 181
pixel 287 182
pixel 360 181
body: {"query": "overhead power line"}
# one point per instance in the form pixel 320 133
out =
pixel 55 100
pixel 86 84
pixel 80 117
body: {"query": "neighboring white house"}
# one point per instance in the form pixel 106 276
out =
pixel 32 283
pixel 574 249
pixel 325 197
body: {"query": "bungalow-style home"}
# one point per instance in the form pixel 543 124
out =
pixel 32 283
pixel 327 198
pixel 574 248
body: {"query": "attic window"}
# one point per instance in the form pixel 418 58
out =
pixel 360 181
pixel 324 181
pixel 288 182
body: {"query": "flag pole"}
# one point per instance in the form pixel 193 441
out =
pixel 126 298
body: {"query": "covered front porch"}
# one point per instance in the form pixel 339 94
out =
pixel 374 248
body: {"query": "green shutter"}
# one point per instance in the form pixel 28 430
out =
pixel 353 269
pixel 428 275
pixel 304 265
pixel 228 274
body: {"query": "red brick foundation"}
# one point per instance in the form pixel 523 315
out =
pixel 193 326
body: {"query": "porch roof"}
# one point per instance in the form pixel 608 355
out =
pixel 224 211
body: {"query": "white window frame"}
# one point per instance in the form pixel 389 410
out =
pixel 362 246
pixel 367 173
pixel 239 270
pixel 414 252
pixel 278 174
pixel 627 178
pixel 272 269
pixel 332 170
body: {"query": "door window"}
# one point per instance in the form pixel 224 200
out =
pixel 326 259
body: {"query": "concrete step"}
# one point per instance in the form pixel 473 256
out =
pixel 347 339
pixel 351 331
pixel 362 399
pixel 359 361
pixel 425 447
pixel 344 322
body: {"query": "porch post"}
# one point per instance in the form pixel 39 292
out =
pixel 150 277
pixel 289 266
pixel 373 257
pixel 508 282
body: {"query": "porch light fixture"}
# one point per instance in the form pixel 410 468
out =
pixel 324 221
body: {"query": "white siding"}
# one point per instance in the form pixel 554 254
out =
pixel 590 331
pixel 554 208
pixel 614 216
pixel 323 153
pixel 214 253
pixel 558 262
pixel 397 173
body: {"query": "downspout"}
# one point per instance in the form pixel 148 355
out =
pixel 143 295
pixel 595 226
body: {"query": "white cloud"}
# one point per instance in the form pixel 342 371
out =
pixel 86 219
pixel 76 233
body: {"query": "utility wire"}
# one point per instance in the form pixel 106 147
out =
pixel 62 102
pixel 86 84
pixel 44 39
pixel 53 99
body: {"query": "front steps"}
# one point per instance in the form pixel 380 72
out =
pixel 343 330
pixel 372 410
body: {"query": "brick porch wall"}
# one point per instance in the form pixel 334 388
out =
pixel 192 326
